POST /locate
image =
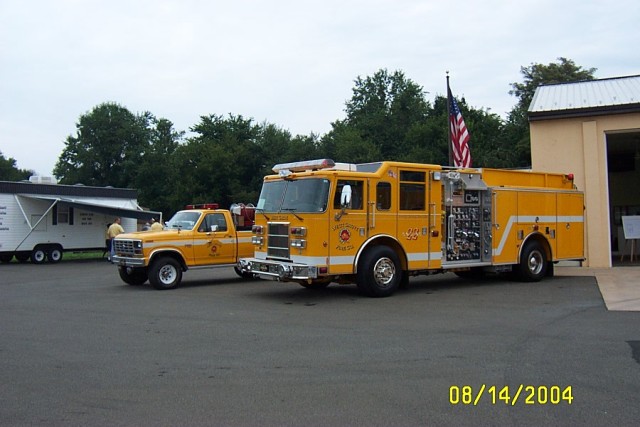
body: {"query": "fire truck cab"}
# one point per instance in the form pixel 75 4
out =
pixel 376 224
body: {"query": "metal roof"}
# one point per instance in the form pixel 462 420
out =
pixel 12 187
pixel 604 96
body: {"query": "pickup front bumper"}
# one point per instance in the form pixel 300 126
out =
pixel 127 261
pixel 277 270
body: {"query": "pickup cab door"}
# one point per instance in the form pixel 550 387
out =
pixel 215 241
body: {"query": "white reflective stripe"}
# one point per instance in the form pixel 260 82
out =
pixel 309 260
pixel 424 256
pixel 346 260
pixel 155 244
pixel 520 219
pixel 185 242
pixel 571 218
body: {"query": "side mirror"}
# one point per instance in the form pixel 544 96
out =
pixel 345 196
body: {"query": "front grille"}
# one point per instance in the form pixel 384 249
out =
pixel 123 247
pixel 278 240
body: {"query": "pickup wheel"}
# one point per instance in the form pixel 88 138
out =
pixel 133 276
pixel 533 263
pixel 165 273
pixel 379 272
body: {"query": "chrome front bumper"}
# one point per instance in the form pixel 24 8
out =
pixel 127 261
pixel 277 270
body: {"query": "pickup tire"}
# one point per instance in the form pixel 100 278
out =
pixel 133 276
pixel 379 272
pixel 165 273
pixel 242 274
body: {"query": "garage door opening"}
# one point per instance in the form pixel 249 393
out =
pixel 623 165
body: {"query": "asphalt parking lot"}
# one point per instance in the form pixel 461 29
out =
pixel 79 347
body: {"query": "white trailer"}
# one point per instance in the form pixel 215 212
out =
pixel 41 221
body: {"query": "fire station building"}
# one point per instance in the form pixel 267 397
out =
pixel 592 129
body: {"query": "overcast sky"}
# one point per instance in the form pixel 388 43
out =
pixel 290 63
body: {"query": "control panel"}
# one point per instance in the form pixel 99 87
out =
pixel 468 214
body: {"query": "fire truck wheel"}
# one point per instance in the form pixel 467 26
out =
pixel 165 273
pixel 133 276
pixel 38 255
pixel 379 272
pixel 533 263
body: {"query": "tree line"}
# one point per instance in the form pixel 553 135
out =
pixel 225 158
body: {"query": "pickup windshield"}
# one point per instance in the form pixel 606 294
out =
pixel 184 220
pixel 303 195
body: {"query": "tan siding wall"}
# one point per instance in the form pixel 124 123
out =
pixel 578 146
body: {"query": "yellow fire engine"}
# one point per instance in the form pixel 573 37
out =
pixel 376 224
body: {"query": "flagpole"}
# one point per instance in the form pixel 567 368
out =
pixel 449 122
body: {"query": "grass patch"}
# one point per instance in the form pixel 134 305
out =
pixel 79 256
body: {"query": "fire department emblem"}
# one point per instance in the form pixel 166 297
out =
pixel 345 235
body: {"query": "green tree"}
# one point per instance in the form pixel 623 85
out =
pixel 516 130
pixel 107 149
pixel 220 163
pixel 381 113
pixel 157 173
pixel 10 172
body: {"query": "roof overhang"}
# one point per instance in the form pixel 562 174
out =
pixel 114 211
pixel 583 112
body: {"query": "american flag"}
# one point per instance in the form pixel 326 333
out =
pixel 459 135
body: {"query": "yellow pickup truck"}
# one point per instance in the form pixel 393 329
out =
pixel 198 237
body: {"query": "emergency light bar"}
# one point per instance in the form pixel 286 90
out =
pixel 304 166
pixel 203 206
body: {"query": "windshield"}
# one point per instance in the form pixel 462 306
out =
pixel 304 195
pixel 185 220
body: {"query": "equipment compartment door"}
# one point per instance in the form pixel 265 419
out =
pixel 570 228
pixel 413 217
pixel 505 208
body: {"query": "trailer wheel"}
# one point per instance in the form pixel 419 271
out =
pixel 38 255
pixel 6 257
pixel 133 276
pixel 533 263
pixel 54 254
pixel 379 272
pixel 165 273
